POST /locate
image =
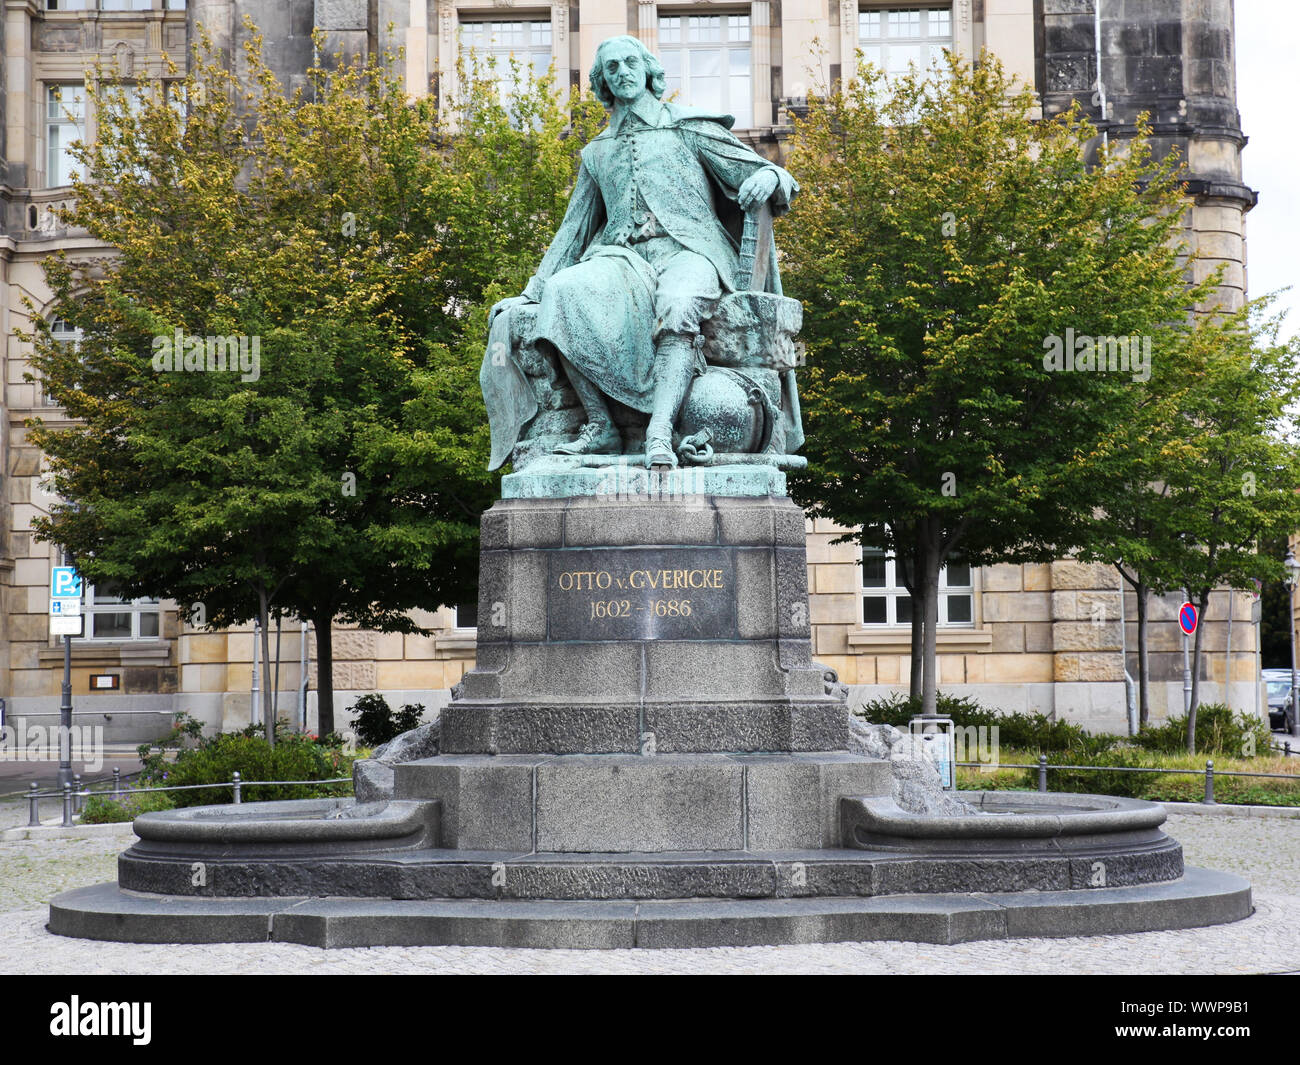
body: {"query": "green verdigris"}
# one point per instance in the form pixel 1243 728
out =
pixel 658 296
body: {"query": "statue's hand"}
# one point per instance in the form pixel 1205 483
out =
pixel 756 189
pixel 505 305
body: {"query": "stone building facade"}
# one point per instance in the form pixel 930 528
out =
pixel 1038 637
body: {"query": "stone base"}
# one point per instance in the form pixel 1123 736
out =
pixel 533 876
pixel 104 912
pixel 560 477
pixel 622 803
pixel 676 727
pixel 615 625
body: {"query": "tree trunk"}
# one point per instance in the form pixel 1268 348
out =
pixel 1201 603
pixel 263 615
pixel 1144 662
pixel 927 583
pixel 324 674
pixel 918 645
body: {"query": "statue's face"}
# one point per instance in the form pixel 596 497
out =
pixel 624 71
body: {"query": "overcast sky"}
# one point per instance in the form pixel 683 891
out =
pixel 1268 87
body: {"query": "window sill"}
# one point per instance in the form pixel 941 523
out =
pixel 111 652
pixel 458 640
pixel 899 641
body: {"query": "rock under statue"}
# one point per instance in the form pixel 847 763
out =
pixel 659 296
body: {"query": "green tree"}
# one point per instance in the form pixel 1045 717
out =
pixel 342 476
pixel 947 247
pixel 1206 473
pixel 1241 487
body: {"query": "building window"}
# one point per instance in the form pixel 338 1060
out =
pixel 886 601
pixel 65 335
pixel 110 617
pixel 466 616
pixel 69 5
pixel 125 5
pixel 893 39
pixel 488 48
pixel 706 59
pixel 65 110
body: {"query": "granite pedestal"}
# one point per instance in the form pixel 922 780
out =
pixel 646 755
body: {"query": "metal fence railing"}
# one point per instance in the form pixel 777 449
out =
pixel 1209 772
pixel 74 791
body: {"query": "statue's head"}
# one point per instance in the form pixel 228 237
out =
pixel 623 69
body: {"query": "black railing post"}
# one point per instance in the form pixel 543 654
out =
pixel 1042 772
pixel 33 805
pixel 67 804
pixel 1209 783
pixel 234 780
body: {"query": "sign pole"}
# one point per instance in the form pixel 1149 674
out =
pixel 1292 567
pixel 65 717
pixel 1188 618
pixel 65 620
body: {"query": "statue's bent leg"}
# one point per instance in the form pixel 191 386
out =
pixel 674 367
pixel 600 436
pixel 598 315
pixel 688 286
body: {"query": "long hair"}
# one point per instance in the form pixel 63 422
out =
pixel 654 72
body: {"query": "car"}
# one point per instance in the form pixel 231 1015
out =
pixel 1281 713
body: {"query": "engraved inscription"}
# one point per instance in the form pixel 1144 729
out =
pixel 636 594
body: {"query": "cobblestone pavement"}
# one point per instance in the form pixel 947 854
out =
pixel 1265 851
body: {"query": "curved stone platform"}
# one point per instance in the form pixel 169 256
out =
pixel 292 828
pixel 331 872
pixel 505 875
pixel 1200 897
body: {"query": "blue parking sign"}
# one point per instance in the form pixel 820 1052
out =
pixel 65 583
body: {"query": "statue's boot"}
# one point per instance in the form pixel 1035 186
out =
pixel 674 368
pixel 594 439
pixel 600 436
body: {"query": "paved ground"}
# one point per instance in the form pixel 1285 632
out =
pixel 1266 851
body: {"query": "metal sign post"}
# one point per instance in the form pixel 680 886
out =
pixel 1187 619
pixel 65 620
pixel 1292 566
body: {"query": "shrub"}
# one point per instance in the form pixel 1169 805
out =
pixel 102 809
pixel 1030 732
pixel 375 723
pixel 1218 731
pixel 1130 785
pixel 186 731
pixel 213 761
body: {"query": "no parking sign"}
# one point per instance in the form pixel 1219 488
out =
pixel 1187 618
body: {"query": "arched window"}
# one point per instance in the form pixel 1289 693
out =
pixel 66 335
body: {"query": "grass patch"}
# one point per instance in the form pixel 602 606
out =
pixel 1155 787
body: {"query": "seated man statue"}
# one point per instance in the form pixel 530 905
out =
pixel 649 246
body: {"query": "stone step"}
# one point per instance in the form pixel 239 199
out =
pixel 497 875
pixel 104 912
